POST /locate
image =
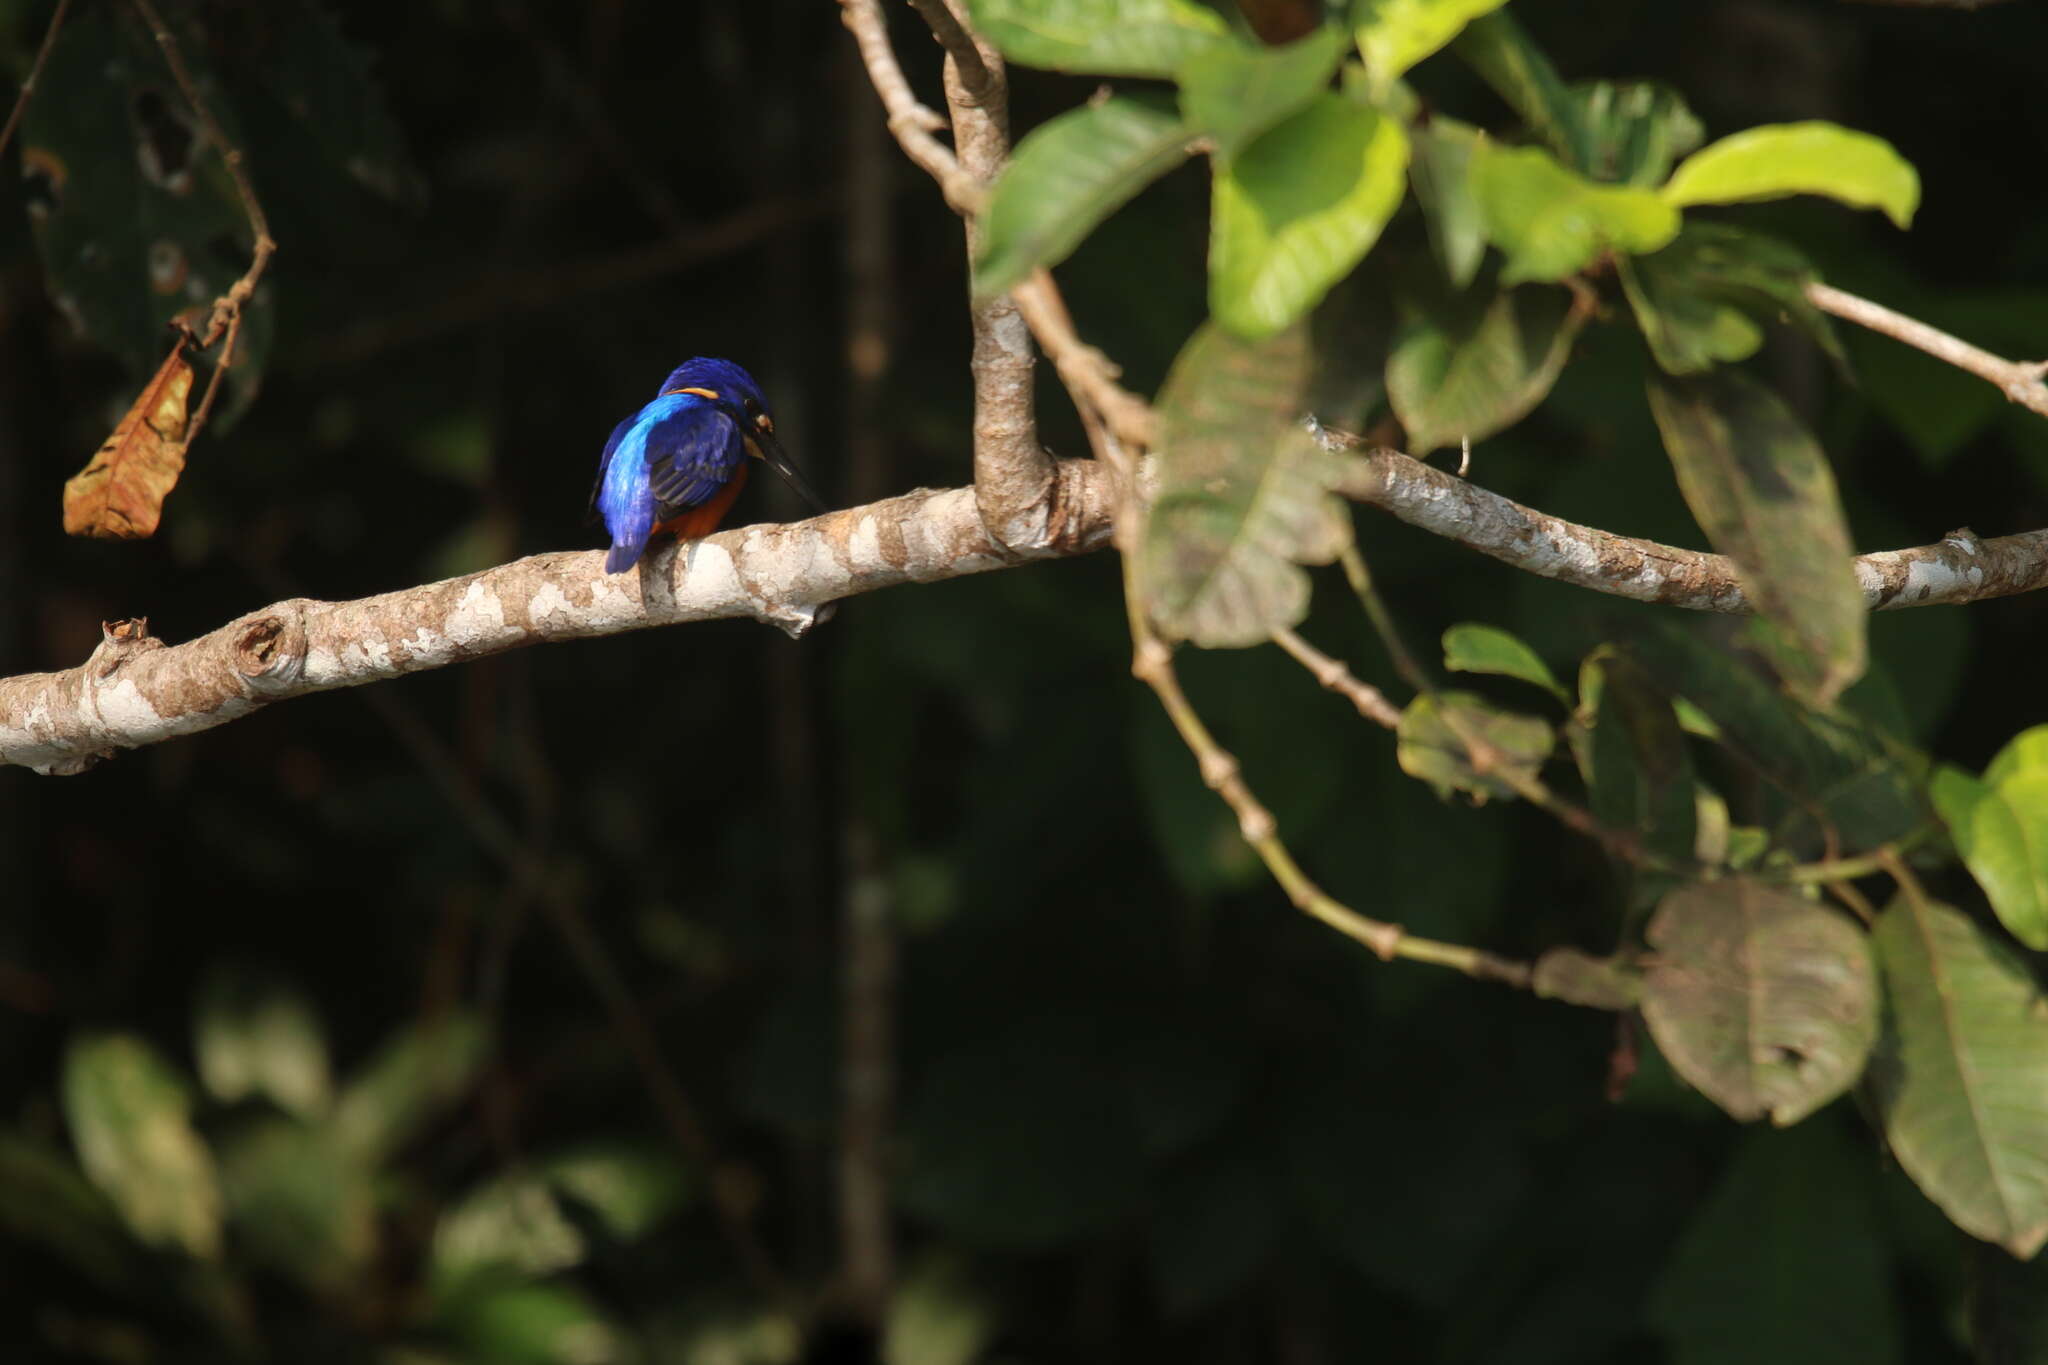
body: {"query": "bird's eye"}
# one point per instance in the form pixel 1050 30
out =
pixel 761 419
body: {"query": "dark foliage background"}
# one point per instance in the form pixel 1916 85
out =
pixel 1147 1111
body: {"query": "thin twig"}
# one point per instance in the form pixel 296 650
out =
pixel 1338 677
pixel 2019 380
pixel 28 85
pixel 911 122
pixel 1089 374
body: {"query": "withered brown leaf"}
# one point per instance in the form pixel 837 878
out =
pixel 120 493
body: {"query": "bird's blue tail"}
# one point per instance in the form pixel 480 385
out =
pixel 623 557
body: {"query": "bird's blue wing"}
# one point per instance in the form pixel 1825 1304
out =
pixel 691 454
pixel 604 462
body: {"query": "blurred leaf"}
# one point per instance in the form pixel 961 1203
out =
pixel 1703 299
pixel 1637 768
pixel 45 1203
pixel 2024 755
pixel 1473 366
pixel 1577 978
pixel 1234 93
pixel 1764 1000
pixel 1297 209
pixel 420 1073
pixel 1496 46
pixel 1780 159
pixel 1100 37
pixel 1959 1076
pixel 1762 491
pixel 120 493
pixel 1394 35
pixel 936 1317
pixel 301 1202
pixel 1068 175
pixel 1634 129
pixel 255 1035
pixel 1553 222
pixel 1441 172
pixel 1215 1223
pixel 1434 735
pixel 533 1324
pixel 2002 834
pixel 130 1120
pixel 1470 647
pixel 1243 493
pixel 1786 1261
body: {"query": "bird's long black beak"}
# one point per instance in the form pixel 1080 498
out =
pixel 770 449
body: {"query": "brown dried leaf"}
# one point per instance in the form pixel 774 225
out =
pixel 120 493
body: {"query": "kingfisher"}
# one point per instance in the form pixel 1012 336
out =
pixel 677 464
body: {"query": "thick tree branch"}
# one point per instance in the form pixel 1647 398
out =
pixel 136 691
pixel 2019 380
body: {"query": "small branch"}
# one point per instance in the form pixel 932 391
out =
pixel 1088 374
pixel 28 86
pixel 2020 381
pixel 135 690
pixel 910 122
pixel 1338 678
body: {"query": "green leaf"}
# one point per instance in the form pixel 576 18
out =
pixel 1761 489
pixel 1394 35
pixel 1100 37
pixel 2024 753
pixel 301 1202
pixel 1601 983
pixel 1244 493
pixel 1496 47
pixel 1473 366
pixel 1553 222
pixel 1960 1076
pixel 1780 159
pixel 1066 177
pixel 2001 831
pixel 256 1036
pixel 938 1316
pixel 1441 173
pixel 1437 735
pixel 421 1072
pixel 1234 93
pixel 558 1324
pixel 1470 647
pixel 1703 299
pixel 1763 1000
pixel 1637 768
pixel 1634 129
pixel 130 1117
pixel 1297 209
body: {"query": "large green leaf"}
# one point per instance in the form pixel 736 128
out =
pixel 1553 222
pixel 1763 1000
pixel 420 1073
pixel 1298 208
pixel 1234 93
pixel 1761 489
pixel 130 1117
pixel 1961 1079
pixel 254 1036
pixel 1704 298
pixel 1441 731
pixel 1100 37
pixel 1634 129
pixel 1394 35
pixel 1068 176
pixel 1780 159
pixel 1244 493
pixel 2001 831
pixel 1441 173
pixel 1474 365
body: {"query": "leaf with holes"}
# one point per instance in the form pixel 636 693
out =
pixel 1475 365
pixel 1704 299
pixel 1244 493
pixel 1553 222
pixel 130 1118
pixel 1456 741
pixel 1234 93
pixel 1298 208
pixel 1780 159
pixel 1100 37
pixel 1763 1000
pixel 1961 1073
pixel 1065 178
pixel 1761 489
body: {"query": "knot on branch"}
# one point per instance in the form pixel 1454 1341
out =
pixel 269 649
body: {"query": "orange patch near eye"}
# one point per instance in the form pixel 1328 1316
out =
pixel 712 394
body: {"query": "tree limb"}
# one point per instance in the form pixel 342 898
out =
pixel 2019 380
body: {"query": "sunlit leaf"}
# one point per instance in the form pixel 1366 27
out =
pixel 1456 741
pixel 130 1117
pixel 1780 159
pixel 1244 494
pixel 255 1035
pixel 1960 1077
pixel 300 1201
pixel 2024 753
pixel 1762 490
pixel 2001 831
pixel 120 493
pixel 1764 1000
pixel 417 1075
pixel 1634 129
pixel 1100 37
pixel 1234 93
pixel 1394 35
pixel 1705 298
pixel 1066 177
pixel 1470 647
pixel 1476 365
pixel 1441 173
pixel 1298 208
pixel 1553 222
